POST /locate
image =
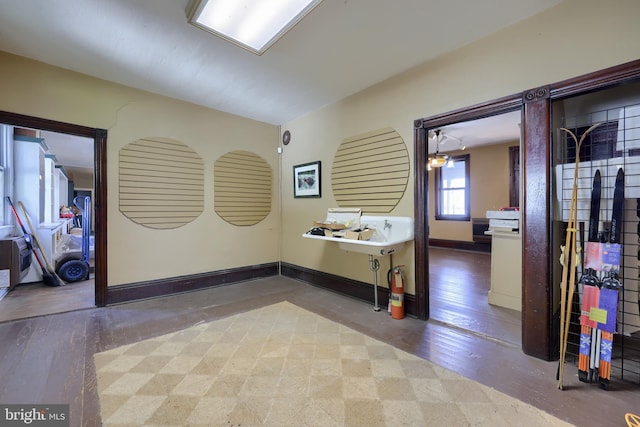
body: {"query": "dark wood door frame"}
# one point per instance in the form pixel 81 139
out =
pixel 538 332
pixel 421 195
pixel 99 137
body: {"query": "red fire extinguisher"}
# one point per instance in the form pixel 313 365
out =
pixel 395 278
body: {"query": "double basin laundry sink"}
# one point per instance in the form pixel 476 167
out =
pixel 391 233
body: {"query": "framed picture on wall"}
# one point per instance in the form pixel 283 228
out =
pixel 307 180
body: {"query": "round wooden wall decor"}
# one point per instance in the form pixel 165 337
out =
pixel 242 188
pixel 286 137
pixel 371 171
pixel 161 183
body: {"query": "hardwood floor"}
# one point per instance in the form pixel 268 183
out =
pixel 37 299
pixel 49 358
pixel 459 283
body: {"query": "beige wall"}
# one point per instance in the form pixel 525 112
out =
pixel 82 180
pixel 136 253
pixel 489 188
pixel 556 45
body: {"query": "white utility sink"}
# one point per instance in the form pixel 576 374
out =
pixel 391 233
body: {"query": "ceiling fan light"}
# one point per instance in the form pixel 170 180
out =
pixel 438 161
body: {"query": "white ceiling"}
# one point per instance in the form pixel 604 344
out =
pixel 490 130
pixel 75 153
pixel 340 48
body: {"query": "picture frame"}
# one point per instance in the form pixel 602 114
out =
pixel 307 180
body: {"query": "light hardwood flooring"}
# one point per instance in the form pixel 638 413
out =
pixel 49 358
pixel 37 299
pixel 460 282
pixel 458 295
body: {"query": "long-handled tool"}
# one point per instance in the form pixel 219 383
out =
pixel 50 268
pixel 48 278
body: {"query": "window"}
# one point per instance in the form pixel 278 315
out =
pixel 6 163
pixel 452 190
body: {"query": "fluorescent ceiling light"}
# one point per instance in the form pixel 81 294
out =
pixel 253 24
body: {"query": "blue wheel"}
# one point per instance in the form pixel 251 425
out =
pixel 73 270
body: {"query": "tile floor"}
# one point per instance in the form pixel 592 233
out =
pixel 281 365
pixel 50 358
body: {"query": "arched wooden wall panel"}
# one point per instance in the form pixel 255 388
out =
pixel 371 171
pixel 242 188
pixel 161 183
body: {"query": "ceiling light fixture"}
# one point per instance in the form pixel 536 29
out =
pixel 437 160
pixel 253 25
pixel 461 146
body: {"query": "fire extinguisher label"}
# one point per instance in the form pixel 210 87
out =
pixel 398 280
pixel 397 300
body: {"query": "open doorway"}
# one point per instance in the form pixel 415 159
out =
pixel 77 156
pixel 463 290
pixel 539 307
pixel 467 288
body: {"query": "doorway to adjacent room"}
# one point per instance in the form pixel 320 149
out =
pixel 65 144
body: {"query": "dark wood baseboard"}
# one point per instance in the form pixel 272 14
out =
pixel 174 285
pixel 462 245
pixel 349 287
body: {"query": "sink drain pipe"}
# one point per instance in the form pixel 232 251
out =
pixel 374 264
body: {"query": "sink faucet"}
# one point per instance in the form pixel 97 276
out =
pixel 387 224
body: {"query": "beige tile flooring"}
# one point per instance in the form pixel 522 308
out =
pixel 281 365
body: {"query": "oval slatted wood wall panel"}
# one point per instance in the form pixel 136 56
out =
pixel 371 171
pixel 161 183
pixel 242 188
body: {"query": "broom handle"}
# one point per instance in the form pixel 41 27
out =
pixel 26 234
pixel 35 238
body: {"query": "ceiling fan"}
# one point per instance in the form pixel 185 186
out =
pixel 438 160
